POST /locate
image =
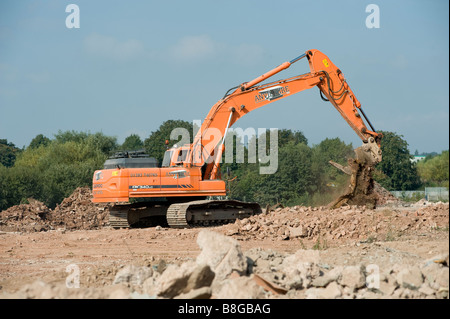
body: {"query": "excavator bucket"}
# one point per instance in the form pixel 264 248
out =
pixel 360 190
pixel 369 153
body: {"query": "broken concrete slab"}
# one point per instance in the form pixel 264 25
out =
pixel 222 253
pixel 132 275
pixel 353 277
pixel 242 287
pixel 176 280
pixel 410 277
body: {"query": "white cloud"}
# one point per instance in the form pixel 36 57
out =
pixel 109 47
pixel 247 53
pixel 193 47
pixel 200 47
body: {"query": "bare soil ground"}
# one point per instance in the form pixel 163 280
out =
pixel 39 244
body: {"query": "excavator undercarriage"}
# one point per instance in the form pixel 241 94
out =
pixel 181 215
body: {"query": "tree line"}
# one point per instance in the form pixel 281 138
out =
pixel 49 170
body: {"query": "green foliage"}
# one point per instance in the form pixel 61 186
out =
pixel 290 185
pixel 63 179
pixel 51 172
pixel 98 141
pixel 8 153
pixel 18 184
pixel 38 141
pixel 326 175
pixel 74 136
pixel 285 136
pixel 320 244
pixel 328 181
pixel 132 143
pixel 434 170
pixel 381 177
pixel 155 145
pixel 302 172
pixel 400 173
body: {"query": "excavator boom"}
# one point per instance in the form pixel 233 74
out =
pixel 207 145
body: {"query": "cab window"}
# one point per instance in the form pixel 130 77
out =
pixel 166 159
pixel 181 156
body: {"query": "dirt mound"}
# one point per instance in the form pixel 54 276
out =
pixel 362 189
pixel 31 217
pixel 351 222
pixel 79 212
pixel 384 197
pixel 75 212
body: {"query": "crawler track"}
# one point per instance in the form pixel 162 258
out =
pixel 185 215
pixel 209 212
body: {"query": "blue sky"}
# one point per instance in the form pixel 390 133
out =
pixel 134 64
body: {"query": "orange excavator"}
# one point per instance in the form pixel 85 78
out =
pixel 178 189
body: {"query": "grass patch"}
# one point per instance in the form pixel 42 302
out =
pixel 371 239
pixel 439 228
pixel 303 245
pixel 390 235
pixel 320 244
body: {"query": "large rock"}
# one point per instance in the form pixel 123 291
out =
pixel 132 275
pixel 332 291
pixel 223 254
pixel 242 287
pixel 426 290
pixel 299 231
pixel 410 277
pixel 388 283
pixel 262 261
pixel 176 280
pixel 436 275
pixel 353 277
pixel 200 293
pixel 330 276
pixel 300 268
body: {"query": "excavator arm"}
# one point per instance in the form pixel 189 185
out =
pixel 208 144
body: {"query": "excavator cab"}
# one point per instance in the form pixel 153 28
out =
pixel 175 156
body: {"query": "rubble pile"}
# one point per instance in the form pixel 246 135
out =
pixel 385 197
pixel 223 271
pixel 75 212
pixel 79 212
pixel 31 217
pixel 347 222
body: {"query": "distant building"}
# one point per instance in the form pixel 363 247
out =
pixel 417 158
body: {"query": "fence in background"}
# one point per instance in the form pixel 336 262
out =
pixel 436 194
pixel 433 194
